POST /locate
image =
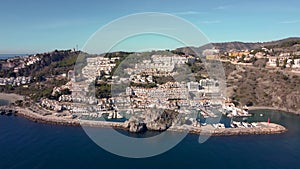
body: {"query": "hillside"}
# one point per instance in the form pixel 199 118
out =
pixel 252 85
pixel 45 70
pixel 284 43
pixel 263 87
pixel 290 44
pixel 43 64
pixel 257 85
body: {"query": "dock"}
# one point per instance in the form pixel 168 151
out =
pixel 209 130
pixel 206 114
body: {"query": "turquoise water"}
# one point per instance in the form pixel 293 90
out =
pixel 25 144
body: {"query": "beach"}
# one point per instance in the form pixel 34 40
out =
pixel 11 97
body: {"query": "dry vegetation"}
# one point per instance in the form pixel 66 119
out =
pixel 263 87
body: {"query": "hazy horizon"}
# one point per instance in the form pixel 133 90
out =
pixel 25 53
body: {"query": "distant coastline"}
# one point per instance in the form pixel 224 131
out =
pixel 6 56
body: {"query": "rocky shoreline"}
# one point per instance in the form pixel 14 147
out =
pixel 264 128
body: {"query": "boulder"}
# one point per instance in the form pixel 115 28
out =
pixel 155 119
pixel 135 125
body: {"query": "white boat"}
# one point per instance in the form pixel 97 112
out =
pixel 247 125
pixel 219 125
pixel 230 115
pixel 119 116
pixel 110 116
pixel 232 125
pixel 234 112
pixel 238 124
pixel 222 126
pixel 255 124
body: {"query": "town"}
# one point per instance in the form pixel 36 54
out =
pixel 118 88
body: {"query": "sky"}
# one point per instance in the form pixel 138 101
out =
pixel 34 26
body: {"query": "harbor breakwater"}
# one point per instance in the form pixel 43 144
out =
pixel 261 127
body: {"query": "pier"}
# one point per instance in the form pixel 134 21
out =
pixel 206 114
pixel 210 130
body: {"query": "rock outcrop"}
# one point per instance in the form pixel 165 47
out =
pixel 135 125
pixel 154 119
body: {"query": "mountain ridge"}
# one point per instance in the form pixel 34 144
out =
pixel 238 45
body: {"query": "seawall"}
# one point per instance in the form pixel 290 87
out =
pixel 209 130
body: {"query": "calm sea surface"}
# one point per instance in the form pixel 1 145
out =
pixel 28 145
pixel 5 56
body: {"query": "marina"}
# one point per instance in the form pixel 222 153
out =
pixel 215 129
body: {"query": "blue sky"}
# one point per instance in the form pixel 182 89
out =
pixel 44 25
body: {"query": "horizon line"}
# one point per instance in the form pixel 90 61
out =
pixel 232 41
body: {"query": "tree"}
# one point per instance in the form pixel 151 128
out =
pixel 284 63
pixel 292 62
pixel 277 62
pixel 19 103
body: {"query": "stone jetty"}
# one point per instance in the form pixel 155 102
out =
pixel 209 130
pixel 260 128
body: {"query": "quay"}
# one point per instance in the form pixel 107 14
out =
pixel 208 130
pixel 258 129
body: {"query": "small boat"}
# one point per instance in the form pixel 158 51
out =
pixel 119 116
pixel 233 125
pixel 247 125
pixel 238 124
pixel 230 115
pixel 255 124
pixel 110 116
pixel 219 125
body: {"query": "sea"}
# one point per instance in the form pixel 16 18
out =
pixel 6 56
pixel 25 144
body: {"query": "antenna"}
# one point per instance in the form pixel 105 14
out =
pixel 76 47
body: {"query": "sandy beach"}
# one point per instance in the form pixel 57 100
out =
pixel 11 97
